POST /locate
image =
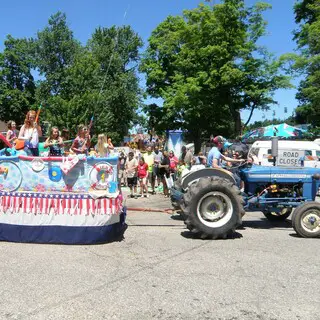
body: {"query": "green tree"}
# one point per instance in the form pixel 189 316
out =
pixel 307 14
pixel 96 80
pixel 207 67
pixel 55 52
pixel 116 50
pixel 17 86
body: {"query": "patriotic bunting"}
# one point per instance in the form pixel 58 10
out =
pixel 57 204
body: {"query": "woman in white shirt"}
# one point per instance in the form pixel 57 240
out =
pixel 30 132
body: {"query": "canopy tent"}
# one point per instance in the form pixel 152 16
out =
pixel 280 130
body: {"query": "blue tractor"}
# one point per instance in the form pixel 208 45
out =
pixel 212 204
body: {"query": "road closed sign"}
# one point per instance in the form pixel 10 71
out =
pixel 287 158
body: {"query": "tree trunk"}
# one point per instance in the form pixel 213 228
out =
pixel 237 121
pixel 250 116
pixel 197 142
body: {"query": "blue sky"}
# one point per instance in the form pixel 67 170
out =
pixel 22 18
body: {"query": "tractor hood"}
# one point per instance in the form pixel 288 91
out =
pixel 280 174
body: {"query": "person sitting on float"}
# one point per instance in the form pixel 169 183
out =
pixel 12 133
pixel 81 144
pixel 102 145
pixel 55 143
pixel 110 145
pixel 30 132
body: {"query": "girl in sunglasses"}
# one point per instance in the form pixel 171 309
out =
pixel 81 144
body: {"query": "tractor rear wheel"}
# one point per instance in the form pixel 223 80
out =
pixel 306 220
pixel 213 208
pixel 278 216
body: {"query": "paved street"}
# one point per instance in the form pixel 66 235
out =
pixel 159 271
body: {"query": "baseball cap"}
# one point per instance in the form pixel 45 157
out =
pixel 218 140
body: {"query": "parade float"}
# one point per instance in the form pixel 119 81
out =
pixel 70 200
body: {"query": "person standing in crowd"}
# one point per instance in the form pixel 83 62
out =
pixel 55 143
pixel 81 144
pixel 215 156
pixel 173 164
pixel 136 153
pixel 186 157
pixel 122 169
pixel 131 172
pixel 102 147
pixel 164 172
pixel 12 133
pixel 30 132
pixel 143 176
pixel 149 159
pixel 157 156
pixel 198 159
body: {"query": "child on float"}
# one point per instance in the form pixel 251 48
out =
pixel 102 146
pixel 110 145
pixel 142 176
pixel 30 133
pixel 55 143
pixel 65 135
pixel 12 133
pixel 81 144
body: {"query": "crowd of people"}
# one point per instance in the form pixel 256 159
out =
pixel 152 168
pixel 156 168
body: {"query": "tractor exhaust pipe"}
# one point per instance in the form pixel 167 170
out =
pixel 274 148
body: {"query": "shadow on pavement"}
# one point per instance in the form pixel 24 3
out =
pixel 294 235
pixel 266 224
pixel 177 217
pixel 190 235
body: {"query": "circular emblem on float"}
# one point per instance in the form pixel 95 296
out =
pixel 55 174
pixel 100 175
pixel 10 176
pixel 37 165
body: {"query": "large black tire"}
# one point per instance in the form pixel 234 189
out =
pixel 306 220
pixel 213 208
pixel 194 176
pixel 281 216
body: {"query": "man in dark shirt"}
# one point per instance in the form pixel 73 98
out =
pixel 122 172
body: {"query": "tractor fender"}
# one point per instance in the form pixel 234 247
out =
pixel 194 176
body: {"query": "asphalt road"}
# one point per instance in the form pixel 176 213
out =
pixel 159 271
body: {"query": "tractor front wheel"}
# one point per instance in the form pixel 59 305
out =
pixel 213 208
pixel 306 220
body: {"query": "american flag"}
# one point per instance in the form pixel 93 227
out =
pixel 59 203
